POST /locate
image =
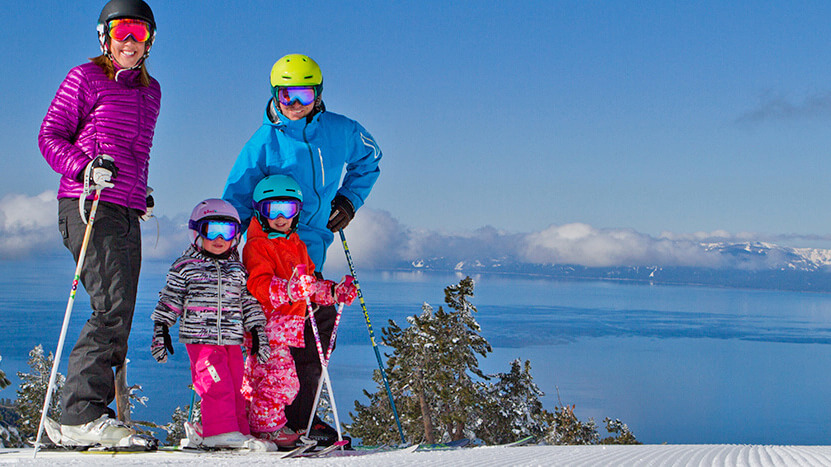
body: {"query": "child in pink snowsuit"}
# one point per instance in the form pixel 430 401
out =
pixel 206 289
pixel 275 258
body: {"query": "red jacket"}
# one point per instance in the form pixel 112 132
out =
pixel 265 258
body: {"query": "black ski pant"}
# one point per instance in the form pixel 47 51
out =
pixel 307 364
pixel 110 276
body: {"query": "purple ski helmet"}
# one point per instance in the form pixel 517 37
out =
pixel 212 209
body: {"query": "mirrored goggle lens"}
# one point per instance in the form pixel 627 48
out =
pixel 305 95
pixel 213 229
pixel 120 29
pixel 272 209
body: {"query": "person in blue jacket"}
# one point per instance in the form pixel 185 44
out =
pixel 303 140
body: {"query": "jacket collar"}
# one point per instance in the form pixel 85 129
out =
pixel 255 230
pixel 275 118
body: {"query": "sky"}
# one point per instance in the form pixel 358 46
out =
pixel 654 119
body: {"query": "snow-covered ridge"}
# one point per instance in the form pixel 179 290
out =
pixel 741 264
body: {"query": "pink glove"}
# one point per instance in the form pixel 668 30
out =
pixel 298 287
pixel 323 293
pixel 345 291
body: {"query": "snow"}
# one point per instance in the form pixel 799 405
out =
pixel 651 455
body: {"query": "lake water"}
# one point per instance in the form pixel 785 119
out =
pixel 677 364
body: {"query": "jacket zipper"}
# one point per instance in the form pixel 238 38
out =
pixel 314 173
pixel 219 304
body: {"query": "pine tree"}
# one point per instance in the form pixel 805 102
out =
pixel 621 430
pixel 442 395
pixel 431 373
pixel 176 428
pixel 513 409
pixel 568 429
pixel 4 381
pixel 32 393
pixel 9 434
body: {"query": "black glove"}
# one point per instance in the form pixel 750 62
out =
pixel 161 342
pixel 263 352
pixel 100 171
pixel 342 213
pixel 150 203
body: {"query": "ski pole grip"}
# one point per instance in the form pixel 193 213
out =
pixel 300 269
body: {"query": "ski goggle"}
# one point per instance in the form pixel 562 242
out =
pixel 303 94
pixel 212 229
pixel 274 208
pixel 120 29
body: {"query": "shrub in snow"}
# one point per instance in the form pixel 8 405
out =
pixel 176 428
pixel 32 393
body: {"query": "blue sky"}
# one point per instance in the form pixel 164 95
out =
pixel 662 118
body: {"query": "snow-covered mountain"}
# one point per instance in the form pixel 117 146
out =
pixel 745 264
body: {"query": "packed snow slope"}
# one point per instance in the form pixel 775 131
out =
pixel 643 455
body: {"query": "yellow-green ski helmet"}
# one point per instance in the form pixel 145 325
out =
pixel 296 70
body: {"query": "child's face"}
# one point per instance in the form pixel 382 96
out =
pixel 281 224
pixel 217 246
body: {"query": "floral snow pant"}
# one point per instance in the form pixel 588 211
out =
pixel 217 377
pixel 270 387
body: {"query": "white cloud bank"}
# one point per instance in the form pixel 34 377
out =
pixel 28 226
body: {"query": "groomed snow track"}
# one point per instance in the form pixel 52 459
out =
pixel 648 455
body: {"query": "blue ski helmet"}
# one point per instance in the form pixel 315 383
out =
pixel 276 187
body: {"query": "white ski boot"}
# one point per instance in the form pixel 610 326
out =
pixel 53 431
pixel 193 436
pixel 237 440
pixel 104 431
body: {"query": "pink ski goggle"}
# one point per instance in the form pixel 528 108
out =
pixel 121 29
pixel 303 94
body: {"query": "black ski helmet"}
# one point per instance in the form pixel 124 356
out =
pixel 115 9
pixel 137 9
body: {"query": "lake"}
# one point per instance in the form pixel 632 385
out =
pixel 678 364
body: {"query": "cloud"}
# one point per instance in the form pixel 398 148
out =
pixel 28 224
pixel 164 237
pixel 28 227
pixel 776 107
pixel 587 246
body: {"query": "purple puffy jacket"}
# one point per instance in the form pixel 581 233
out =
pixel 93 115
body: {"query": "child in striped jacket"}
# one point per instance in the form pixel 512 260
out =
pixel 206 290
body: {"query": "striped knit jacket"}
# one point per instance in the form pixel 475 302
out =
pixel 210 298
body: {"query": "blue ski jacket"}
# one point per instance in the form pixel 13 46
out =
pixel 313 153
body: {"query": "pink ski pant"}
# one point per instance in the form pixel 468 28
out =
pixel 269 388
pixel 217 372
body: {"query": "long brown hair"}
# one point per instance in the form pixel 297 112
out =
pixel 106 64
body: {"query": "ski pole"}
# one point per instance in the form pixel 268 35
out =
pixel 326 359
pixel 67 314
pixel 371 335
pixel 324 362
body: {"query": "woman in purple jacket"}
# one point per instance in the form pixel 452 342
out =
pixel 97 133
